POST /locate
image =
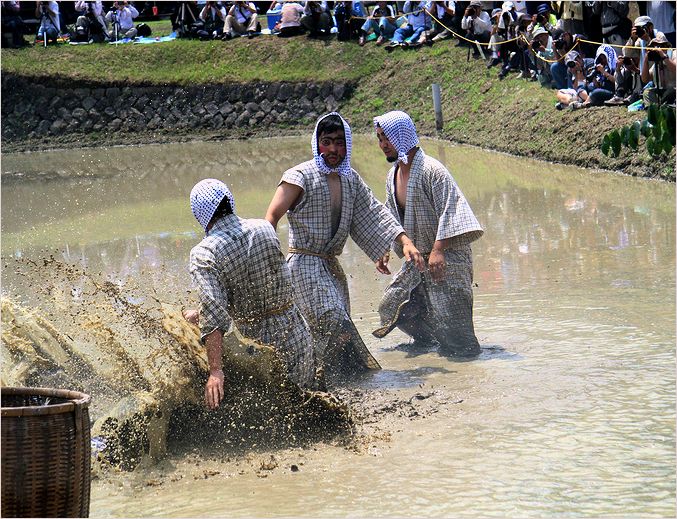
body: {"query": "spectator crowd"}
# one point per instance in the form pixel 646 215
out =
pixel 591 53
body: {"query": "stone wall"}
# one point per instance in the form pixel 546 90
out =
pixel 33 109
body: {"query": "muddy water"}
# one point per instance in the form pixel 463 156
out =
pixel 570 409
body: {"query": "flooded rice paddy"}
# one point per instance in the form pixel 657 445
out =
pixel 569 410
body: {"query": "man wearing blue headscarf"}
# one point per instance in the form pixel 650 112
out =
pixel 326 201
pixel 243 278
pixel 434 306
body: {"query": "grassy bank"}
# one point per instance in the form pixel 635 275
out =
pixel 513 115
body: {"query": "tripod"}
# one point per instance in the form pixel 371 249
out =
pixel 182 18
pixel 46 17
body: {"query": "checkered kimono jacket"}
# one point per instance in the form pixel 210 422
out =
pixel 242 277
pixel 320 286
pixel 435 210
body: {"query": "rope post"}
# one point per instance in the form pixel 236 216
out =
pixel 437 104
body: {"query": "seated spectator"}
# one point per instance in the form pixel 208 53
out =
pixel 50 24
pixel 614 19
pixel 445 12
pixel 496 39
pixel 663 16
pixel 520 58
pixel 121 18
pixel 13 27
pixel 658 71
pixel 558 69
pixel 290 21
pixel 579 69
pixel 541 45
pixel 477 25
pixel 317 19
pixel 418 21
pixel 241 19
pixel 545 18
pixel 91 24
pixel 348 17
pixel 503 30
pixel 213 15
pixel 628 82
pixel 600 84
pixel 381 22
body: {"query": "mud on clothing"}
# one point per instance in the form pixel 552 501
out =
pixel 242 277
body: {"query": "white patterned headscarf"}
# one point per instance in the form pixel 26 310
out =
pixel 343 168
pixel 205 198
pixel 610 53
pixel 400 131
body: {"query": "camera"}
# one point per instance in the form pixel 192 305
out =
pixel 639 31
pixel 536 45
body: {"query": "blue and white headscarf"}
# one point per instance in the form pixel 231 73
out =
pixel 343 168
pixel 400 131
pixel 205 198
pixel 610 54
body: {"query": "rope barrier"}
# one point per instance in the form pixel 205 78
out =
pixel 466 39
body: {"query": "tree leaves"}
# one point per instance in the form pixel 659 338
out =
pixel 658 129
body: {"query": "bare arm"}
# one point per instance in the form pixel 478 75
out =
pixel 214 386
pixel 285 198
pixel 646 76
pixel 410 252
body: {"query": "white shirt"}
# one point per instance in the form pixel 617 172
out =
pixel 125 17
pixel 241 14
pixel 440 9
pixel 482 23
pixel 420 19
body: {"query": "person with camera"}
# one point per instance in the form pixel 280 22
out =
pixel 381 22
pixel 546 19
pixel 477 25
pixel 658 72
pixel 50 24
pixel 213 16
pixel 317 19
pixel 241 19
pixel 413 32
pixel 541 46
pixel 520 58
pixel 628 82
pixel 558 70
pixel 91 24
pixel 600 81
pixel 641 34
pixel 578 70
pixel 121 17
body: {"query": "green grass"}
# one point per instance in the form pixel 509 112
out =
pixel 513 115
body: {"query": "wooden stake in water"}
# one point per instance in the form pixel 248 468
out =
pixel 437 104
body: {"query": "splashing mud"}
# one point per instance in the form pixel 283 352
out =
pixel 145 368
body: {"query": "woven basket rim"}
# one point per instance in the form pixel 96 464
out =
pixel 76 398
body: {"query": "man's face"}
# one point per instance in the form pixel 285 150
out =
pixel 333 147
pixel 386 147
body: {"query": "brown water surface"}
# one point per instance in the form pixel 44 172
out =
pixel 569 410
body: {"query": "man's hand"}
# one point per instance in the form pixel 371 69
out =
pixel 382 264
pixel 436 264
pixel 192 316
pixel 214 388
pixel 410 252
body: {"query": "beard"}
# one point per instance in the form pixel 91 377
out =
pixel 391 159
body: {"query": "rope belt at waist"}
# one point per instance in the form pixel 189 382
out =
pixel 273 311
pixel 294 250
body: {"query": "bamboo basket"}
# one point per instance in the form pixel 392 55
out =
pixel 45 453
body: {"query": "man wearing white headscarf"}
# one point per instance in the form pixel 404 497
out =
pixel 434 306
pixel 326 201
pixel 243 278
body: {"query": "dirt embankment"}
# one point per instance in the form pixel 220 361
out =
pixel 513 116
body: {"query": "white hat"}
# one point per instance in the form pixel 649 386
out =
pixel 641 21
pixel 506 6
pixel 205 198
pixel 538 31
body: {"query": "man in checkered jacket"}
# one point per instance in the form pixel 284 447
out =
pixel 434 306
pixel 326 201
pixel 242 278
